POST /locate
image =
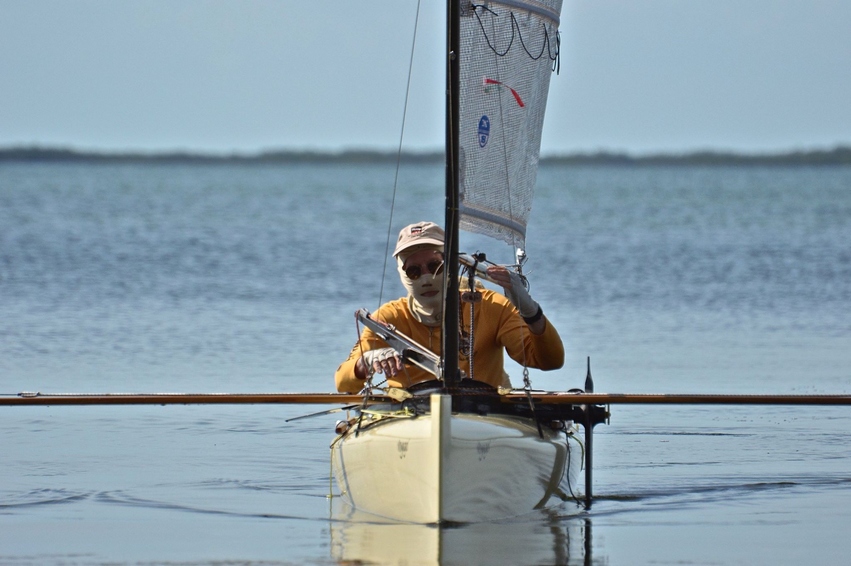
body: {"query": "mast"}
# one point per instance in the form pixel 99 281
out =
pixel 450 305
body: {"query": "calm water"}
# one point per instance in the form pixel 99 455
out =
pixel 230 278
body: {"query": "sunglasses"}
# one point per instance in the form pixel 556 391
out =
pixel 434 267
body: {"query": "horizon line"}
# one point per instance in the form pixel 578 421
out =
pixel 839 154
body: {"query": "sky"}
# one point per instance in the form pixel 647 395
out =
pixel 639 76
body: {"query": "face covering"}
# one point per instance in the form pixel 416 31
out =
pixel 427 310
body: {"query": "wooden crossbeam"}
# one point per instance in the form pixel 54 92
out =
pixel 179 399
pixel 23 399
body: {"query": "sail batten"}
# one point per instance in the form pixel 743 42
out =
pixel 507 56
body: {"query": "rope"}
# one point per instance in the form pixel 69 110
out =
pixel 471 279
pixel 399 157
pixel 331 470
pixel 367 386
pixel 527 381
pixel 568 435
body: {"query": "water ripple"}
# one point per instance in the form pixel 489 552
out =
pixel 119 497
pixel 39 497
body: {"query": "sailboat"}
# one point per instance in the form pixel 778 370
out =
pixel 455 449
pixel 450 450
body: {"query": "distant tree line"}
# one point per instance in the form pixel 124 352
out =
pixel 838 156
pixel 63 155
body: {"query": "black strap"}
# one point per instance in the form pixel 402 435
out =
pixel 535 317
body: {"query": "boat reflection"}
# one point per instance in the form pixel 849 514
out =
pixel 544 538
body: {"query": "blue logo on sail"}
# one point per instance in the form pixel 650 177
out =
pixel 484 130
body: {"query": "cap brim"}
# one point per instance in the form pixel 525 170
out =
pixel 419 242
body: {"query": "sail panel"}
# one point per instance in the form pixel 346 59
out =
pixel 508 52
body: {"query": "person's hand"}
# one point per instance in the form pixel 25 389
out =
pixel 514 290
pixel 382 360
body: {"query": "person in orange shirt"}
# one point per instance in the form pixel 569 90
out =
pixel 513 323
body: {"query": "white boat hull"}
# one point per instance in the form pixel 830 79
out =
pixel 445 467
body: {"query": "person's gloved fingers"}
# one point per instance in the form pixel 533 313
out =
pixel 383 360
pixel 390 362
pixel 520 297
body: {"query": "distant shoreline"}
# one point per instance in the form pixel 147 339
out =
pixel 840 155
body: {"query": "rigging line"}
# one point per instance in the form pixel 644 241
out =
pixel 399 156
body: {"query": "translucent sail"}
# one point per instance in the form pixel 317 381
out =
pixel 508 51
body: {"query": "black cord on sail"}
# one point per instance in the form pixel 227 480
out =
pixel 547 47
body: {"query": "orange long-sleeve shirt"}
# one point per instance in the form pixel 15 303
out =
pixel 497 327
